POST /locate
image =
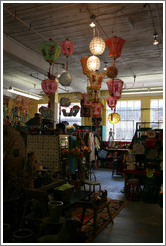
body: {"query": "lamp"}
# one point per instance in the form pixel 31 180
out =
pixel 155 42
pixel 24 93
pixel 93 63
pixel 97 46
pixel 92 24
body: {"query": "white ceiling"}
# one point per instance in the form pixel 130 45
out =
pixel 25 68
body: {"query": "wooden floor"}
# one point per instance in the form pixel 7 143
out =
pixel 138 222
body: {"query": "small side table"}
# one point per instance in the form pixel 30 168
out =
pixel 92 183
pixel 96 208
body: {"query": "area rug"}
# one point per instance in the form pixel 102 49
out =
pixel 103 219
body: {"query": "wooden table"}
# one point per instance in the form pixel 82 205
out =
pixel 96 208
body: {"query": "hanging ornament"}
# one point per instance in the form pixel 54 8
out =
pixel 85 111
pixel 65 79
pixel 111 102
pixel 93 63
pixel 96 78
pixel 112 72
pixel 92 94
pixel 67 49
pixel 115 45
pixel 49 86
pixel 65 102
pixel 97 46
pixel 115 87
pixel 96 108
pixel 84 64
pixel 86 101
pixel 50 50
pixel 114 118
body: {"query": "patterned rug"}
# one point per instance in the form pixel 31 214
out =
pixel 103 219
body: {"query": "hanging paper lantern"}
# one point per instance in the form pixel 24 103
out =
pixel 92 94
pixel 50 50
pixel 96 108
pixel 111 102
pixel 49 86
pixel 115 45
pixel 86 101
pixel 85 111
pixel 115 87
pixel 96 79
pixel 112 72
pixel 65 102
pixel 84 64
pixel 97 46
pixel 93 63
pixel 65 79
pixel 67 47
pixel 114 118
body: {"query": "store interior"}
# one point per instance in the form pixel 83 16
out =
pixel 82 123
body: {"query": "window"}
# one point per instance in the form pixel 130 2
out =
pixel 156 113
pixel 130 113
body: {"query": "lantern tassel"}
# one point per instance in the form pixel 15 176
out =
pixel 15 16
pixel 66 63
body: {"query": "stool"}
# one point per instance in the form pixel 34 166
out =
pixel 133 191
pixel 92 183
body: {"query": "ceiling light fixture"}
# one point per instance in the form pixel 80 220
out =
pixel 105 67
pixel 24 93
pixel 155 42
pixel 92 24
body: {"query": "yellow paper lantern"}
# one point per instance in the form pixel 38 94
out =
pixel 114 118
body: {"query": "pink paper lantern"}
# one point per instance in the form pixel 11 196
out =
pixel 115 87
pixel 49 86
pixel 115 45
pixel 67 47
pixel 96 108
pixel 86 102
pixel 111 102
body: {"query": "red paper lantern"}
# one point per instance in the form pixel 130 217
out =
pixel 67 47
pixel 49 86
pixel 84 64
pixel 115 45
pixel 96 78
pixel 87 103
pixel 115 87
pixel 96 108
pixel 111 102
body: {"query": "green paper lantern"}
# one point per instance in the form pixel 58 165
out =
pixel 50 50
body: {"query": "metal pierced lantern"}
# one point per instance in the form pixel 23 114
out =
pixel 49 86
pixel 93 63
pixel 96 79
pixel 84 64
pixel 97 46
pixel 86 101
pixel 65 102
pixel 111 102
pixel 115 87
pixel 114 118
pixel 96 108
pixel 65 79
pixel 112 72
pixel 115 45
pixel 50 50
